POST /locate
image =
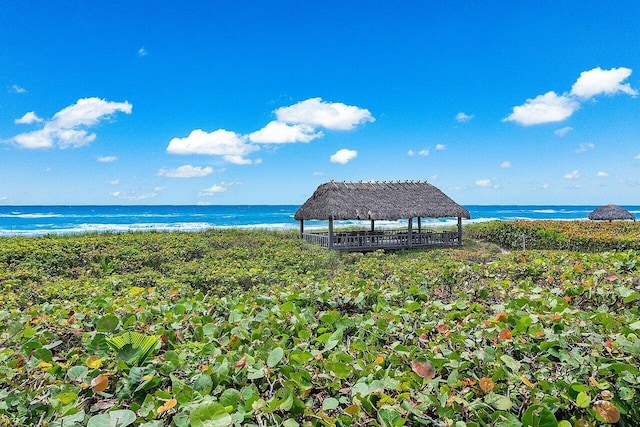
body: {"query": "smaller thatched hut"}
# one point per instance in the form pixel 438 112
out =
pixel 611 213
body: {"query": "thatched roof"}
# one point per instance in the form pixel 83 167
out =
pixel 611 213
pixel 379 201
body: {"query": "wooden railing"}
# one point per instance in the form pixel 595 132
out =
pixel 389 239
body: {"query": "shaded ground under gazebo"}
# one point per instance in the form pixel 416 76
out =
pixel 611 213
pixel 376 201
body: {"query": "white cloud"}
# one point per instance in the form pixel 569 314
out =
pixel 584 147
pixel 463 117
pixel 214 189
pixel 142 52
pixel 113 182
pixel 67 128
pixel 17 89
pixel 329 115
pixel 483 183
pixel 106 159
pixel 637 157
pixel 572 175
pixel 505 165
pixel 217 188
pixel 424 152
pixel 132 196
pixel 295 123
pixel 598 81
pixel 552 107
pixel 28 118
pixel 230 145
pixel 546 108
pixel 441 147
pixel 563 131
pixel 277 132
pixel 545 185
pixel 343 156
pixel 186 171
pixel 602 174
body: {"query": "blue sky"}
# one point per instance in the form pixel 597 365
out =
pixel 260 102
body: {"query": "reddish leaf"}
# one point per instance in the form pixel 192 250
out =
pixel 423 369
pixel 486 384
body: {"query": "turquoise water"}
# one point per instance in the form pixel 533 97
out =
pixel 40 220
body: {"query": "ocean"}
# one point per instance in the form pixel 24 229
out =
pixel 42 220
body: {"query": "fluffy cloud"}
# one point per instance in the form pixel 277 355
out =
pixel 142 52
pixel 551 107
pixel 230 145
pixel 505 165
pixel 186 171
pixel 463 117
pixel 598 81
pixel 584 147
pixel 329 115
pixel 107 159
pixel 572 175
pixel 217 188
pixel 214 189
pixel 277 132
pixel 67 128
pixel 546 108
pixel 602 174
pixel 295 123
pixel 28 118
pixel 441 147
pixel 483 183
pixel 343 156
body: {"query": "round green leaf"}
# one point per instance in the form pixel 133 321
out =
pixel 77 372
pixel 107 323
pixel 388 417
pixel 229 397
pixel 203 384
pixel 119 418
pixel 210 414
pixel 330 403
pixel 275 357
pixel 539 416
pixel 583 400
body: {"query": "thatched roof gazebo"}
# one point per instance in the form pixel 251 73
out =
pixel 380 201
pixel 611 213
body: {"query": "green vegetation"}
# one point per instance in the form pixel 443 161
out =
pixel 585 236
pixel 258 328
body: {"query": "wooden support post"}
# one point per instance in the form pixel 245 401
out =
pixel 419 225
pixel 372 225
pixel 410 233
pixel 459 230
pixel 331 232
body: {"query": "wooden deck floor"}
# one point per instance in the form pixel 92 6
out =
pixel 388 239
